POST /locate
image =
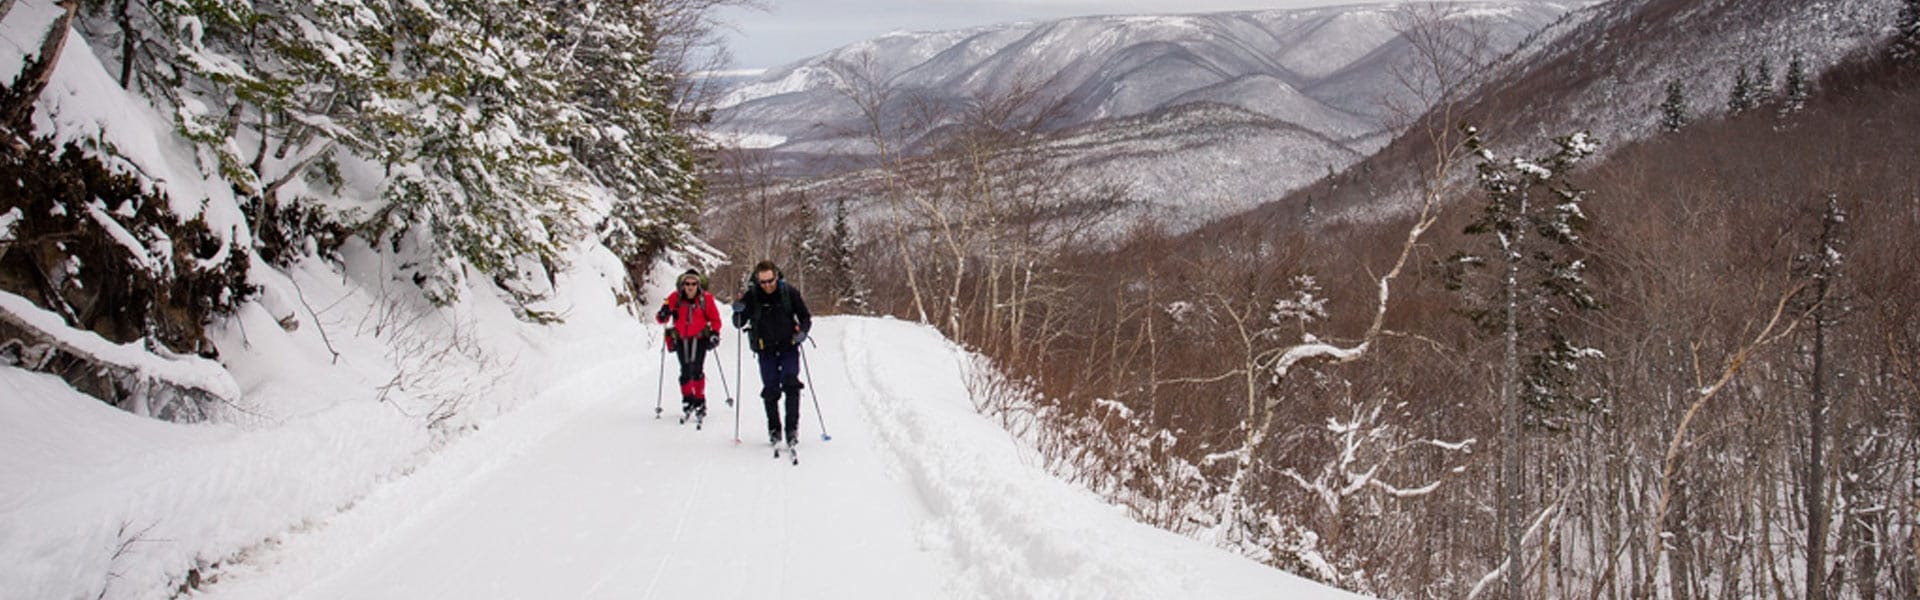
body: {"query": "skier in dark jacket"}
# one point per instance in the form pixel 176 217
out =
pixel 695 329
pixel 778 321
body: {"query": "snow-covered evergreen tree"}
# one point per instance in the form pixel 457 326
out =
pixel 482 183
pixel 297 78
pixel 508 133
pixel 1763 83
pixel 622 129
pixel 850 293
pixel 1906 36
pixel 1307 305
pixel 1534 218
pixel 1673 110
pixel 311 86
pixel 1798 89
pixel 1741 97
pixel 809 250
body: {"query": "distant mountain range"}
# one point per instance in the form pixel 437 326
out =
pixel 1604 70
pixel 1198 114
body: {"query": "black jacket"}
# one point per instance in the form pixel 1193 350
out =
pixel 774 317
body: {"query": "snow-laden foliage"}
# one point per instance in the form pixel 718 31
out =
pixel 502 135
pixel 620 128
pixel 1743 96
pixel 1823 266
pixel 179 150
pixel 1306 306
pixel 1798 88
pixel 847 284
pixel 1534 219
pixel 93 246
pixel 809 252
pixel 1673 110
pixel 1906 40
pixel 482 181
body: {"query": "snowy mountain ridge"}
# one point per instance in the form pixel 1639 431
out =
pixel 1246 105
pixel 1605 70
pixel 1326 65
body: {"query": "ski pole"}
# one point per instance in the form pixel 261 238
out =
pixel 720 365
pixel 816 395
pixel 660 389
pixel 742 341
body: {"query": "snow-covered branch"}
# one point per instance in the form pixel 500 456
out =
pixel 1366 445
pixel 1533 533
pixel 181 388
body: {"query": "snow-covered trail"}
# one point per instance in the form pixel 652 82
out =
pixel 614 503
pixel 915 496
pixel 617 504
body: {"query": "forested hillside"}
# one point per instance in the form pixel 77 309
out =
pixel 1508 356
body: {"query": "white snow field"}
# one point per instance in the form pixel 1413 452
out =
pixel 583 493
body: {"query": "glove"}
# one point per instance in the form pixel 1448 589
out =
pixel 799 337
pixel 710 339
pixel 662 315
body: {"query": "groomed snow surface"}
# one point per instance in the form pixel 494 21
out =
pixel 580 492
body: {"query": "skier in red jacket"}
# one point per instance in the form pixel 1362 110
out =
pixel 695 329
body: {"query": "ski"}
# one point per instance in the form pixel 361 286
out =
pixel 698 416
pixel 794 453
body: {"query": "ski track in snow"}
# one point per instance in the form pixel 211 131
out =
pixel 614 503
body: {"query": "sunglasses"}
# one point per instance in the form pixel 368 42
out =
pixel 765 281
pixel 690 283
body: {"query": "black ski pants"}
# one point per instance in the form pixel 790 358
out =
pixel 692 357
pixel 780 373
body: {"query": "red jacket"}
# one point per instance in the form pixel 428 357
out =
pixel 691 317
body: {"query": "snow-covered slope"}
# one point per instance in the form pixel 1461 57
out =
pixel 582 493
pixel 1604 70
pixel 1230 159
pixel 1085 69
pixel 1198 116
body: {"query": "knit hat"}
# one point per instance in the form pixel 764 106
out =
pixel 694 273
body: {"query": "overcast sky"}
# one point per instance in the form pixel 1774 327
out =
pixel 796 29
